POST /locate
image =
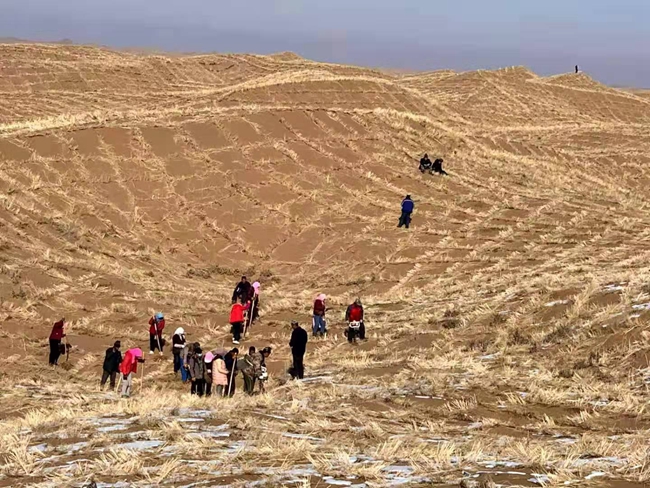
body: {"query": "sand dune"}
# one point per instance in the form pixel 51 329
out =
pixel 510 316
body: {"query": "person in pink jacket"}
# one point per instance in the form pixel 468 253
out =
pixel 255 303
pixel 129 367
pixel 219 375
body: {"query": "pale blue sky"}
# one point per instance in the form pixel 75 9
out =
pixel 609 39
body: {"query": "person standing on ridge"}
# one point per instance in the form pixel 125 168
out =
pixel 407 209
pixel 237 320
pixel 298 344
pixel 219 375
pixel 156 326
pixel 264 374
pixel 111 365
pixel 354 313
pixel 197 372
pixel 129 367
pixel 56 335
pixel 250 366
pixel 178 343
pixel 255 301
pixel 186 354
pixel 242 291
pixel 319 324
pixel 209 362
pixel 230 360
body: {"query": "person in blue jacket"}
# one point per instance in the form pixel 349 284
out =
pixel 407 210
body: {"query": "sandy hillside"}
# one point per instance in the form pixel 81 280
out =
pixel 508 327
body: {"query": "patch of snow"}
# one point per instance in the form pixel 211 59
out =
pixel 333 481
pixel 77 446
pixel 595 474
pixel 37 448
pixel 566 440
pixel 539 479
pixel 634 316
pixel 394 468
pixel 279 417
pixel 302 436
pixel 611 460
pixel 195 412
pixel 642 306
pixel 191 419
pixel 109 420
pixel 302 470
pixel 505 464
pixel 489 357
pixel 207 433
pixel 318 379
pixel 614 287
pixel 140 445
pixel 603 402
pixel 112 428
pixel 236 446
pixel 556 302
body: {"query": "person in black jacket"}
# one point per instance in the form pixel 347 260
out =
pixel 242 291
pixel 436 167
pixel 298 346
pixel 425 164
pixel 111 365
pixel 231 365
pixel 178 343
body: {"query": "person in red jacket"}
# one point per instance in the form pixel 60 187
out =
pixel 129 367
pixel 319 326
pixel 237 320
pixel 156 326
pixel 354 313
pixel 55 341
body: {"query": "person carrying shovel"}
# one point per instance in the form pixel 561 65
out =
pixel 230 361
pixel 129 367
pixel 156 326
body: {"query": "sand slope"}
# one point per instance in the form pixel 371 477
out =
pixel 133 183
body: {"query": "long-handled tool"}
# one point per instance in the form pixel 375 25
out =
pixel 232 374
pixel 249 318
pixel 141 377
pixel 158 338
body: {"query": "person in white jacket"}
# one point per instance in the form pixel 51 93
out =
pixel 178 343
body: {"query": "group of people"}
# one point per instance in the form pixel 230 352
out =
pixel 426 166
pixel 353 316
pixel 218 367
pixel 243 313
pixel 214 371
pixel 245 308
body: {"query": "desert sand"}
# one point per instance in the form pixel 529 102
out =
pixel 508 327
